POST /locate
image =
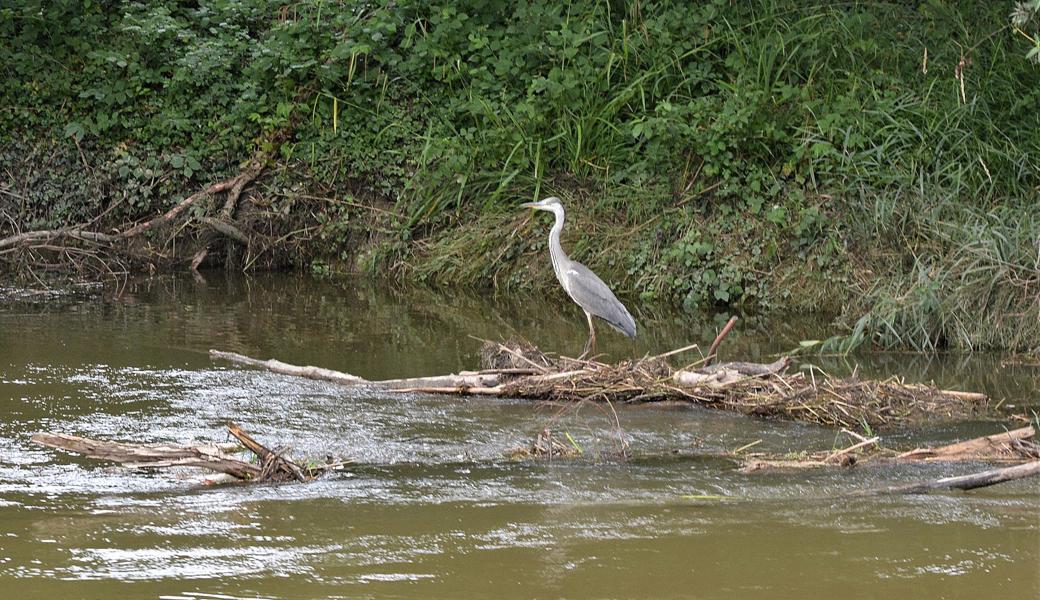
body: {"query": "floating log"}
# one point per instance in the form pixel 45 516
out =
pixel 518 370
pixel 465 379
pixel 270 465
pixel 1007 445
pixel 1018 445
pixel 966 482
pixel 151 456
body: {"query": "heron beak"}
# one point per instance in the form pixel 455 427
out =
pixel 529 205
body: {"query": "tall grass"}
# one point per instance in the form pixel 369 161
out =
pixel 931 176
pixel 973 282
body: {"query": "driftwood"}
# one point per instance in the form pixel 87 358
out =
pixel 151 456
pixel 966 482
pixel 270 465
pixel 1008 445
pixel 518 370
pixel 465 379
pixel 1016 446
pixel 728 373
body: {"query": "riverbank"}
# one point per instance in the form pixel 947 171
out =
pixel 875 162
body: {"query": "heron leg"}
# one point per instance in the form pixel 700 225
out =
pixel 590 345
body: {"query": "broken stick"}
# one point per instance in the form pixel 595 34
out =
pixel 272 465
pixel 151 456
pixel 965 482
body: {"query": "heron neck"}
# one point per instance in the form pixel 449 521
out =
pixel 556 253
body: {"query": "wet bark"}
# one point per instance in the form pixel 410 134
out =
pixel 271 465
pixel 151 456
pixel 967 482
pixel 463 382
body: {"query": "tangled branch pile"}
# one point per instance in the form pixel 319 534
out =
pixel 519 370
pixel 765 390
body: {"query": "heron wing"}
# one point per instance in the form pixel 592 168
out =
pixel 589 291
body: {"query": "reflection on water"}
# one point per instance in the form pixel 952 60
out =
pixel 432 509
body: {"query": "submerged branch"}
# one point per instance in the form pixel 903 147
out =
pixel 1017 445
pixel 151 456
pixel 269 466
pixel 966 482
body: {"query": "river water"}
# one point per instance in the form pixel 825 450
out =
pixel 432 508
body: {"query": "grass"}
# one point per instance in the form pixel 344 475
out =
pixel 973 283
pixel 879 160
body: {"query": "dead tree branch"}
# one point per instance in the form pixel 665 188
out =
pixel 151 456
pixel 116 243
pixel 965 482
pixel 270 466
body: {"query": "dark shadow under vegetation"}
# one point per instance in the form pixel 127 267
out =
pixel 878 161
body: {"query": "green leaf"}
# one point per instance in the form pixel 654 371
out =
pixel 75 130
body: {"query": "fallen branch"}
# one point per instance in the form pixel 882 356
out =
pixel 183 205
pixel 463 380
pixel 275 466
pixel 965 482
pixel 277 366
pixel 1016 446
pixel 1007 444
pixel 151 456
pixel 270 465
pixel 227 229
pixel 49 235
pixel 116 243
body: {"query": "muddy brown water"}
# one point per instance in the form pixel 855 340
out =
pixel 432 509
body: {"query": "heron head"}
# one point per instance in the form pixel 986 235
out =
pixel 549 204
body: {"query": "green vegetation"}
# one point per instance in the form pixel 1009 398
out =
pixel 877 160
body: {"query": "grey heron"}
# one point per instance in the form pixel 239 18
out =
pixel 580 283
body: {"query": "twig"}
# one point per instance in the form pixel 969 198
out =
pixel 718 339
pixel 746 446
pixel 677 351
pixel 853 434
pixel 870 442
pixel 539 368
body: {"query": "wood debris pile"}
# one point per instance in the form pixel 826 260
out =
pixel 766 390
